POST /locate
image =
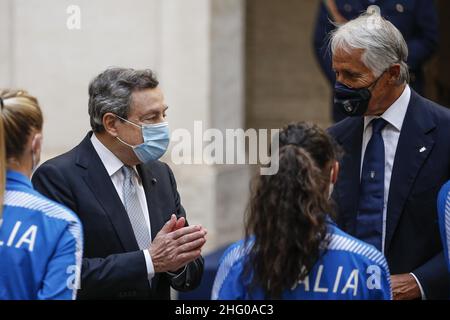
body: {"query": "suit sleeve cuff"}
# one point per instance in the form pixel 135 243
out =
pixel 422 293
pixel 176 275
pixel 149 264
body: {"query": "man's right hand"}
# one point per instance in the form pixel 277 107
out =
pixel 171 250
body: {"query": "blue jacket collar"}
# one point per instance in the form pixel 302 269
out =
pixel 16 177
pixel 330 221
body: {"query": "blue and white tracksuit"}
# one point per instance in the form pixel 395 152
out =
pixel 347 269
pixel 444 220
pixel 41 245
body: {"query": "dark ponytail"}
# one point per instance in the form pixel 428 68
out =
pixel 287 211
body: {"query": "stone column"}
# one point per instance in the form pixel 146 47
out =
pixel 202 71
pixel 6 48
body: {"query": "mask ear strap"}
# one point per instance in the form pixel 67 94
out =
pixel 376 80
pixel 127 144
pixel 130 122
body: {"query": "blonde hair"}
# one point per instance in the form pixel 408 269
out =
pixel 19 115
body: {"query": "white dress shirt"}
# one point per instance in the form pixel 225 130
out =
pixel 394 117
pixel 113 166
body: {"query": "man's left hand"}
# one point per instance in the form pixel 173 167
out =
pixel 405 287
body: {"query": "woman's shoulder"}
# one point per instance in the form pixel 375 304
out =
pixel 35 206
pixel 231 264
pixel 236 252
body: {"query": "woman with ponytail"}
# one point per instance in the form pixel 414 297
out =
pixel 40 240
pixel 292 248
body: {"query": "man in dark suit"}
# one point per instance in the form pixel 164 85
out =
pixel 136 241
pixel 396 158
pixel 417 20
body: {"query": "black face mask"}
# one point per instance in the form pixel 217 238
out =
pixel 353 102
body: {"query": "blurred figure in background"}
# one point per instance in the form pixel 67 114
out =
pixel 40 240
pixel 292 248
pixel 417 20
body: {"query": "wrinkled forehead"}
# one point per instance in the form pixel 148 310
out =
pixel 349 59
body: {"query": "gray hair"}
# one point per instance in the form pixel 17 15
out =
pixel 382 42
pixel 111 92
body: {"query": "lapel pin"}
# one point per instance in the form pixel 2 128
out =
pixel 422 149
pixel 372 174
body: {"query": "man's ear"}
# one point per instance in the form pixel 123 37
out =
pixel 109 123
pixel 394 73
pixel 334 172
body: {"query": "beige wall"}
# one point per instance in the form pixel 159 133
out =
pixel 283 81
pixel 227 63
pixel 195 46
pixel 56 64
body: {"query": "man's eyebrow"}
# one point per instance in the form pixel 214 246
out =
pixel 153 112
pixel 349 70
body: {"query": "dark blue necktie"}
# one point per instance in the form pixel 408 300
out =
pixel 369 221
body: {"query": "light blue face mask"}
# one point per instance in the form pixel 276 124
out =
pixel 156 140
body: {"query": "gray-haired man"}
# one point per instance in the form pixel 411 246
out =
pixel 397 156
pixel 136 241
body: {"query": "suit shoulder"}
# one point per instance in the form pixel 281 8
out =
pixel 62 161
pixel 158 167
pixel 338 129
pixel 440 112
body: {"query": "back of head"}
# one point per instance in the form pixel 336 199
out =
pixel 20 114
pixel 288 210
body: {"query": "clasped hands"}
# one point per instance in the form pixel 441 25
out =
pixel 176 245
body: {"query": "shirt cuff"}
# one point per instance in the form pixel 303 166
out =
pixel 422 293
pixel 149 264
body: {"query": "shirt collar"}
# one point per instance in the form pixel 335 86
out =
pixel 17 177
pixel 395 114
pixel 110 161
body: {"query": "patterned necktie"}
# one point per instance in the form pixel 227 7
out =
pixel 134 209
pixel 369 221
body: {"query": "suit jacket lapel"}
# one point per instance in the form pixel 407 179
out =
pixel 99 181
pixel 414 146
pixel 349 177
